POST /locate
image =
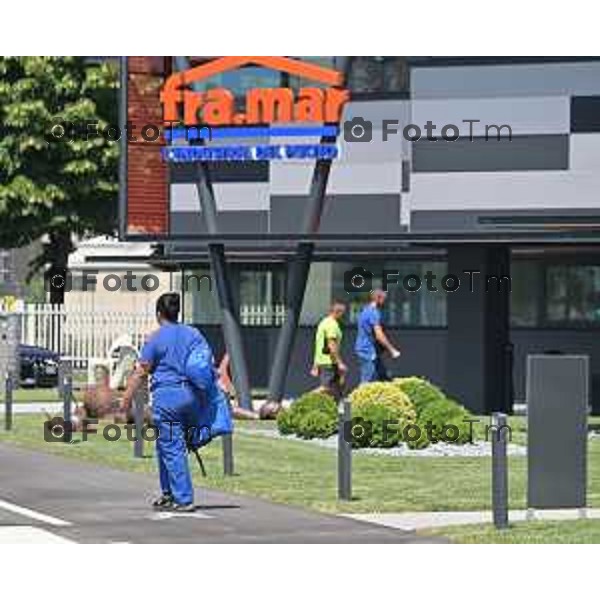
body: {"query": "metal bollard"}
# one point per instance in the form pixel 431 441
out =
pixel 67 394
pixel 8 401
pixel 138 417
pixel 227 443
pixel 499 471
pixel 344 451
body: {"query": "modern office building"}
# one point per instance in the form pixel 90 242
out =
pixel 516 194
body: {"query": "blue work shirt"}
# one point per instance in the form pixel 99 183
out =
pixel 166 352
pixel 366 344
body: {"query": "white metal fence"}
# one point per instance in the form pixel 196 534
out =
pixel 80 334
pixel 259 314
pixel 85 334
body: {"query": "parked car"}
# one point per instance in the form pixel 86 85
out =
pixel 39 366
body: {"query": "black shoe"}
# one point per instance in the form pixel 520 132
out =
pixel 164 502
pixel 182 508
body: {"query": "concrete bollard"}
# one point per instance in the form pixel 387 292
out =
pixel 138 417
pixel 344 451
pixel 499 471
pixel 227 444
pixel 66 387
pixel 9 385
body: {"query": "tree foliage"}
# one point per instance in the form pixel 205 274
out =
pixel 56 190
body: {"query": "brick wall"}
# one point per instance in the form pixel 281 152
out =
pixel 147 176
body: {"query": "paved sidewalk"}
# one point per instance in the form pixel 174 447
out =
pixel 414 521
pixel 85 502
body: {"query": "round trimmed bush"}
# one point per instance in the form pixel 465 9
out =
pixel 380 413
pixel 293 420
pixel 316 424
pixel 448 420
pixel 420 391
pixel 438 417
pixel 285 422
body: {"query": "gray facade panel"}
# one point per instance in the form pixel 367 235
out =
pixel 228 196
pixel 223 172
pixel 343 213
pixel 489 81
pixel 523 153
pixel 231 221
pixel 525 115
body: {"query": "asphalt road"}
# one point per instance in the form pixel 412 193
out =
pixel 49 498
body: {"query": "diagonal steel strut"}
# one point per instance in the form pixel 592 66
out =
pixel 298 268
pixel 231 326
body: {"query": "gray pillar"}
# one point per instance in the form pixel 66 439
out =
pixel 296 284
pixel 479 365
pixel 557 407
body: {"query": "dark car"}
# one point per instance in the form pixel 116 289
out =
pixel 39 366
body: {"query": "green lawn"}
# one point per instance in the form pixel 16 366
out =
pixel 302 474
pixel 24 395
pixel 548 532
pixel 32 395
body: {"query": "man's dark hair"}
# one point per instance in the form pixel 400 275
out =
pixel 168 306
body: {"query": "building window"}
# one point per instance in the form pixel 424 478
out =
pixel 379 75
pixel 422 308
pixel 526 287
pixel 200 304
pixel 261 296
pixel 572 294
pixel 239 80
pixel 368 76
pixel 553 295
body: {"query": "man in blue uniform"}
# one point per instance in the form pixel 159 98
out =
pixel 371 340
pixel 175 403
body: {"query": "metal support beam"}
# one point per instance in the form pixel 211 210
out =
pixel 298 270
pixel 296 284
pixel 231 326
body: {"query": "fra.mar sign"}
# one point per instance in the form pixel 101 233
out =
pixel 270 113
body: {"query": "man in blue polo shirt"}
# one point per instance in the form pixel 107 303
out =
pixel 371 340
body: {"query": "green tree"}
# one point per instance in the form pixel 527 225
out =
pixel 50 189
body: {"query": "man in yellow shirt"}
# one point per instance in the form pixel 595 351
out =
pixel 328 364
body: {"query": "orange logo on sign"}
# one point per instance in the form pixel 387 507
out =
pixel 263 105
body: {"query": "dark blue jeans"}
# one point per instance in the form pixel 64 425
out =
pixel 175 411
pixel 372 370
